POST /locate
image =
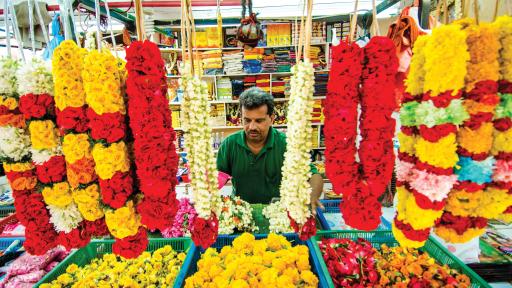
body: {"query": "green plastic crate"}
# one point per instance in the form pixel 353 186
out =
pixel 97 248
pixel 6 210
pixel 377 238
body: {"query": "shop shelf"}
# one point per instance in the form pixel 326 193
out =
pixel 228 240
pixel 333 206
pixel 97 248
pixel 377 238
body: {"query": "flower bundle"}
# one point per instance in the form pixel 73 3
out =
pixel 203 169
pixel 295 189
pixel 277 217
pixel 181 226
pixel 362 183
pixel 116 271
pixel 269 262
pixel 502 147
pixel 430 114
pixel 236 215
pixel 150 121
pixel 351 264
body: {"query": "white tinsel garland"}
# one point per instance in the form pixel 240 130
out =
pixel 295 188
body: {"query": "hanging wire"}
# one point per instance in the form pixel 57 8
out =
pixel 109 19
pixel 7 32
pixel 31 25
pixel 98 32
pixel 16 30
pixel 41 22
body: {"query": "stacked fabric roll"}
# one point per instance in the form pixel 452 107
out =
pixel 252 60
pixel 278 88
pixel 233 62
pixel 269 64
pixel 212 62
pixel 321 80
pixel 263 82
pixel 283 60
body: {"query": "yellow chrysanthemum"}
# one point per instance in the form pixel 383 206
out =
pixel 409 212
pixel 476 141
pixel 88 202
pixel 502 142
pixel 439 154
pixel 446 54
pixel 10 102
pixel 43 135
pixel 449 235
pixel 494 203
pixel 59 194
pixel 403 241
pixel 505 217
pixel 406 143
pixel 18 167
pixel 102 83
pixel 67 65
pixel 462 203
pixel 416 77
pixel 76 147
pixel 123 222
pixel 504 24
pixel 111 159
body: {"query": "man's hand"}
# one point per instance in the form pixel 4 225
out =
pixel 317 187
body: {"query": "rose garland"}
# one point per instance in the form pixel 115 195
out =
pixel 431 112
pixel 374 67
pixel 203 169
pixel 150 121
pixel 502 147
pixel 295 189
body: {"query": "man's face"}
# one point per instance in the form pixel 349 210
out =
pixel 256 123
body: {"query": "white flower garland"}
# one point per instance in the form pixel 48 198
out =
pixel 14 144
pixel 236 208
pixel 278 218
pixel 295 189
pixel 37 77
pixel 8 83
pixel 65 219
pixel 203 167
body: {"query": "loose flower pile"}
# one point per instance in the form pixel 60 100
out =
pixel 236 216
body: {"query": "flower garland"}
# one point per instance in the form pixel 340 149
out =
pixel 203 169
pixel 236 215
pixel 375 67
pixel 502 149
pixel 150 121
pixel 181 226
pixel 430 114
pixel 277 217
pixel 295 189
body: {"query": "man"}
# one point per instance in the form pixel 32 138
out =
pixel 254 157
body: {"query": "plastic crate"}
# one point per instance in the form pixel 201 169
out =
pixel 228 240
pixel 377 238
pixel 97 248
pixel 6 242
pixel 333 206
pixel 6 210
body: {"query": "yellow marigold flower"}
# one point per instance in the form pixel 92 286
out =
pixel 409 212
pixel 494 202
pixel 72 268
pixel 65 279
pixel 18 167
pixel 43 134
pixel 416 77
pixel 502 142
pixel 450 235
pixel 474 107
pixel 406 143
pixel 59 194
pixel 10 102
pixel 76 147
pixel 123 222
pixel 309 278
pixel 440 154
pixel 400 238
pixel 504 24
pixel 111 159
pixel 88 202
pixel 102 83
pixel 462 203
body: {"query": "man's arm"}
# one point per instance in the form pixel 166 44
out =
pixel 317 186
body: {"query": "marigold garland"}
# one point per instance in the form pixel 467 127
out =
pixel 59 194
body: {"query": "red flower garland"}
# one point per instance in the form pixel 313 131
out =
pixel 52 171
pixel 363 183
pixel 116 190
pixel 150 120
pixel 204 231
pixel 72 119
pixel 132 246
pixel 36 106
pixel 307 231
pixel 108 126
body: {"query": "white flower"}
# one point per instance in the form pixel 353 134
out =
pixel 295 189
pixel 236 215
pixel 14 143
pixel 37 77
pixel 8 83
pixel 278 218
pixel 41 156
pixel 65 219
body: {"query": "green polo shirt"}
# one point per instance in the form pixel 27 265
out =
pixel 256 178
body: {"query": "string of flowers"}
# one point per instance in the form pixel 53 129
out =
pixel 154 151
pixel 430 114
pixel 502 145
pixel 362 183
pixel 295 189
pixel 277 217
pixel 203 169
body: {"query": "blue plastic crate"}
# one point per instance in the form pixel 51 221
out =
pixel 333 206
pixel 226 240
pixel 7 241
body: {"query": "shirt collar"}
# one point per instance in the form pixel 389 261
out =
pixel 270 140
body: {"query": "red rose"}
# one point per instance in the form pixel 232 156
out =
pixel 156 214
pixel 96 228
pixel 39 241
pixel 132 246
pixel 77 238
pixel 36 105
pixel 108 126
pixel 205 231
pixel 52 171
pixel 116 190
pixel 72 119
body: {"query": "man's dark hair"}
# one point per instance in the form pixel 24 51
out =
pixel 254 97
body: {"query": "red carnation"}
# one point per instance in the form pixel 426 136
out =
pixel 72 119
pixel 96 228
pixel 434 134
pixel 52 171
pixel 36 105
pixel 205 231
pixel 39 241
pixel 116 190
pixel 108 126
pixel 484 92
pixel 132 246
pixel 469 186
pixel 442 100
pixel 157 214
pixel 307 230
pixel 77 238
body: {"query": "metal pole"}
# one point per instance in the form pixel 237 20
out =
pixel 31 25
pixel 16 30
pixel 111 28
pixel 7 32
pixel 41 22
pixel 98 15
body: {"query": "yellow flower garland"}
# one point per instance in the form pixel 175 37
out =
pixel 43 135
pixel 67 65
pixel 494 203
pixel 76 147
pixel 59 194
pixel 440 154
pixel 504 24
pixel 102 83
pixel 449 235
pixel 416 77
pixel 123 222
pixel 10 102
pixel 502 142
pixel 18 166
pixel 462 203
pixel 407 143
pixel 111 159
pixel 466 138
pixel 403 241
pixel 410 213
pixel 88 202
pixel 474 107
pixel 446 42
pixel 505 217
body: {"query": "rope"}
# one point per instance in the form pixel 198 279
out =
pixel 475 6
pixel 98 32
pixel 445 12
pixel 375 24
pixel 138 20
pixel 353 23
pixel 496 8
pixel 31 26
